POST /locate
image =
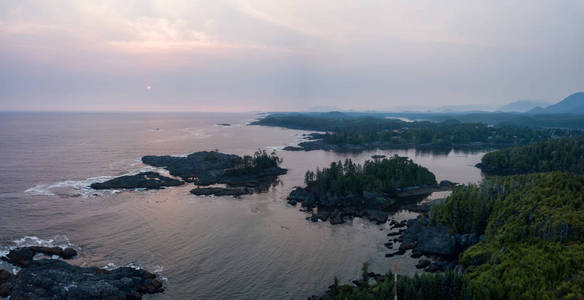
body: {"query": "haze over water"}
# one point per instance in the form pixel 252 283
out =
pixel 207 247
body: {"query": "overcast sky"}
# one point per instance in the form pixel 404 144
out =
pixel 286 55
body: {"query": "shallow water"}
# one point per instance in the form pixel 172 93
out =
pixel 207 247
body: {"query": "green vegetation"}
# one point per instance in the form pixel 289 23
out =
pixel 375 131
pixel 260 161
pixel 533 245
pixel 565 154
pixel 448 285
pixel 380 175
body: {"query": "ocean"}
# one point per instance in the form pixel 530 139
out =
pixel 254 247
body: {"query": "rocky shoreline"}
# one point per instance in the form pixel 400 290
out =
pixel 143 180
pixel 203 169
pixel 56 279
pixel 373 206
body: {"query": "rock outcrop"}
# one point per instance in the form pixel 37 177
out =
pixel 56 279
pixel 144 180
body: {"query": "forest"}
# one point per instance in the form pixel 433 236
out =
pixel 379 175
pixel 260 161
pixel 375 131
pixel 533 245
pixel 563 154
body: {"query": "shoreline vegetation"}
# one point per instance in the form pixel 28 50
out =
pixel 346 132
pixel 564 154
pixel 346 190
pixel 510 237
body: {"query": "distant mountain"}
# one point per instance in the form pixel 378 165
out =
pixel 522 105
pixel 573 104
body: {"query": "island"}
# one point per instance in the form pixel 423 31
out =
pixel 255 172
pixel 346 132
pixel 143 180
pixel 345 189
pixel 55 279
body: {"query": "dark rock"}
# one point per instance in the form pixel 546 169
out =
pixel 389 254
pixel 393 233
pixel 378 216
pixel 336 217
pixel 69 253
pixel 292 202
pixel 323 214
pixel 433 240
pixel 224 124
pixel 303 196
pixel 293 148
pixel 6 289
pixel 312 218
pixel 144 180
pixel 217 191
pixel 23 256
pixel 55 279
pixel 439 266
pixel 5 275
pixel 423 263
pixel 416 253
pixel 388 245
pixel 210 167
pixel 408 245
pixel 447 184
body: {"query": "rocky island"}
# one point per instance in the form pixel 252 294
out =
pixel 56 279
pixel 145 180
pixel 347 190
pixel 211 167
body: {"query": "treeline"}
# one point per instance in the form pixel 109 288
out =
pixel 379 175
pixel 260 161
pixel 564 154
pixel 533 246
pixel 534 234
pixel 447 133
pixel 443 286
pixel 376 131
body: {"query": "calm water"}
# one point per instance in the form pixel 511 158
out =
pixel 206 247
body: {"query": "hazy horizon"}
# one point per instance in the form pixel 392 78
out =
pixel 261 55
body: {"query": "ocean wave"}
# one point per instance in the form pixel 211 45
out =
pixel 76 188
pixel 60 240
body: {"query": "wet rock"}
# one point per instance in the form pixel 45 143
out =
pixel 378 216
pixel 5 275
pixel 303 196
pixel 408 245
pixel 423 263
pixel 388 245
pixel 323 214
pixel 396 233
pixel 416 253
pixel 23 256
pixel 217 191
pixel 55 279
pixel 336 217
pixel 439 266
pixel 447 184
pixel 144 180
pixel 5 289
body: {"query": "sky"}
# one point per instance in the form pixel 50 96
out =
pixel 269 55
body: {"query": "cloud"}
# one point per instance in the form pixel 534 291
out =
pixel 285 54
